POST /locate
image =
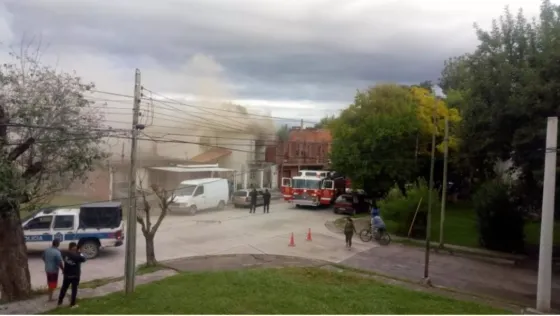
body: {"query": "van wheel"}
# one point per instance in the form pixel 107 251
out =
pixel 90 248
pixel 221 205
pixel 192 210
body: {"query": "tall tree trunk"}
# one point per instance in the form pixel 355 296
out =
pixel 15 281
pixel 150 250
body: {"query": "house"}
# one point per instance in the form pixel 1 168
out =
pixel 305 148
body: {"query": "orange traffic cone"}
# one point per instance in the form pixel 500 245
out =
pixel 292 242
pixel 309 235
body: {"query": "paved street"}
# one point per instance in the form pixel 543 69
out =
pixel 226 232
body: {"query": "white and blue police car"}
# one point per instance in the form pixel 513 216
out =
pixel 92 226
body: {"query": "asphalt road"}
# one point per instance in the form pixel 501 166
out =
pixel 229 231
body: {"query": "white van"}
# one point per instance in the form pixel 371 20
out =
pixel 93 227
pixel 200 194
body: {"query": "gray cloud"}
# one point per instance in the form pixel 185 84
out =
pixel 315 49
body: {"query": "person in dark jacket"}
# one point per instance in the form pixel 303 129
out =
pixel 349 230
pixel 72 271
pixel 253 196
pixel 266 199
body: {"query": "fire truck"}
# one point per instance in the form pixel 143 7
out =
pixel 313 187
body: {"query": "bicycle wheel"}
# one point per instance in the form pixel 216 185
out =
pixel 365 235
pixel 384 239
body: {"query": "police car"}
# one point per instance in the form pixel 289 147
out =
pixel 93 226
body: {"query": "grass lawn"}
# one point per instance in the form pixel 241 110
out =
pixel 460 227
pixel 274 291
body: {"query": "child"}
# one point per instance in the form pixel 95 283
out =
pixel 349 230
pixel 377 223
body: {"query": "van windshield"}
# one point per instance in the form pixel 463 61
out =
pixel 186 190
pixel 306 184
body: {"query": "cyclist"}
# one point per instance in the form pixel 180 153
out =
pixel 377 223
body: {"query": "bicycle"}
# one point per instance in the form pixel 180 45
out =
pixel 383 238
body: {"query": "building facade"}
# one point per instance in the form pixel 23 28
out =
pixel 305 148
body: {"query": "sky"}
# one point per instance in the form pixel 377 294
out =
pixel 298 59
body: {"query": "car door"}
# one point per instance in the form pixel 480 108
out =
pixel 64 229
pixel 200 198
pixel 37 232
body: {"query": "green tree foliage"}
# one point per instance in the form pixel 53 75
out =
pixel 374 138
pixel 49 138
pixel 507 88
pixel 283 133
pixel 325 122
pixel 401 209
pixel 500 221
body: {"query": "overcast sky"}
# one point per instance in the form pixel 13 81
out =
pixel 291 56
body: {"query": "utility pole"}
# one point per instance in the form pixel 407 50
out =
pixel 431 185
pixel 299 147
pixel 544 285
pixel 130 259
pixel 444 185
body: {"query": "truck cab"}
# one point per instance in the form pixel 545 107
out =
pixel 92 226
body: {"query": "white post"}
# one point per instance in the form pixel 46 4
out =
pixel 262 178
pixel 245 176
pixel 544 285
pixel 110 182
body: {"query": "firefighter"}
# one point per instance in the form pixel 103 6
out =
pixel 253 195
pixel 266 200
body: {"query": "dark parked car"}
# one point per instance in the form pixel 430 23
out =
pixel 346 204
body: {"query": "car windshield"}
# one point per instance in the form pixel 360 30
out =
pixel 306 184
pixel 186 190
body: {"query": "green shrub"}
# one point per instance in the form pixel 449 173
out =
pixel 401 209
pixel 500 221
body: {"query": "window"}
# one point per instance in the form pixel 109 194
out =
pixel 328 184
pixel 63 222
pixel 103 215
pixel 306 184
pixel 199 191
pixel 185 191
pixel 286 182
pixel 43 223
pixel 240 193
pixel 253 175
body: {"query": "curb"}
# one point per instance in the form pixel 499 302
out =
pixel 477 254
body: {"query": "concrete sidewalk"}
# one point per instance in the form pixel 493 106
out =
pixel 506 282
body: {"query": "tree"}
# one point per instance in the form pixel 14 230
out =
pixel 510 84
pixel 49 137
pixel 143 217
pixel 431 112
pixel 374 138
pixel 325 122
pixel 283 133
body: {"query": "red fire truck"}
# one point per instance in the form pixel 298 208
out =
pixel 313 187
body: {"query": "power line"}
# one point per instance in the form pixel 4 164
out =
pixel 173 101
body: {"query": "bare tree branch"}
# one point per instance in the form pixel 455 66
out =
pixel 20 149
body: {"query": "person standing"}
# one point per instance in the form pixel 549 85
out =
pixel 53 262
pixel 253 195
pixel 349 230
pixel 266 200
pixel 73 260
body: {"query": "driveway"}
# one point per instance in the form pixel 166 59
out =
pixel 230 231
pixel 497 280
